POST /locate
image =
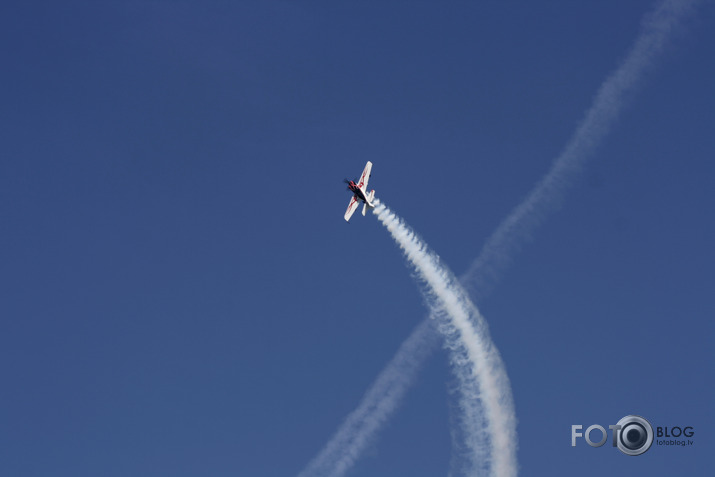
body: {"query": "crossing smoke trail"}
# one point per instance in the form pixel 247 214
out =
pixel 509 237
pixel 486 400
pixel 348 443
pixel 391 384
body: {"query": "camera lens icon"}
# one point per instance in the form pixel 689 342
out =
pixel 635 435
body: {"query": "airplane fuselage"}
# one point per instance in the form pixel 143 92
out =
pixel 356 190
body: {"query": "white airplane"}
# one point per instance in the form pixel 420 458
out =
pixel 359 191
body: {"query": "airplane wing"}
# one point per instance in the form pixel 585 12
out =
pixel 351 208
pixel 365 176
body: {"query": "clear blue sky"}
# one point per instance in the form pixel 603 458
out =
pixel 180 295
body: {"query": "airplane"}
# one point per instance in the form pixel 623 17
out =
pixel 359 193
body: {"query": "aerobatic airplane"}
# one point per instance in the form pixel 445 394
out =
pixel 359 191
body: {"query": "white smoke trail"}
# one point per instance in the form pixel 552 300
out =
pixel 512 233
pixel 491 426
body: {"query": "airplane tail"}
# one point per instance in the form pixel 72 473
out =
pixel 368 203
